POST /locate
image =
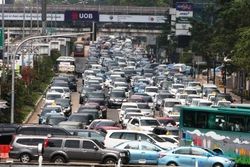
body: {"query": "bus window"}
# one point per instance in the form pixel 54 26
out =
pixel 188 119
pixel 248 125
pixel 236 123
pixel 216 121
pixel 201 120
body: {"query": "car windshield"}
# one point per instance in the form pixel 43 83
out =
pixel 157 138
pixel 63 102
pixel 151 89
pixel 171 104
pixel 51 109
pixel 118 94
pixel 205 104
pixel 124 107
pixel 149 122
pixel 178 86
pixel 78 118
pixel 194 84
pixel 128 116
pixel 106 123
pixel 95 95
pixel 148 99
pixel 143 106
pixel 163 96
pixel 182 96
pixel 53 96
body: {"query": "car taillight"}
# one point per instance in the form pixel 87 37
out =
pixel 162 155
pixel 46 143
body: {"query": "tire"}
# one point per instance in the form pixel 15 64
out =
pixel 172 164
pixel 25 158
pixel 110 161
pixel 218 165
pixel 58 159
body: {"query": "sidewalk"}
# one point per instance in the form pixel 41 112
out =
pixel 203 80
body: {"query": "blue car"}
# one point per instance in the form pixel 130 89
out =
pixel 142 152
pixel 194 156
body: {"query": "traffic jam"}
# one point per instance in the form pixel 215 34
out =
pixel 134 110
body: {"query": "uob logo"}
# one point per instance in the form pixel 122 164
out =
pixel 85 15
pixel 74 15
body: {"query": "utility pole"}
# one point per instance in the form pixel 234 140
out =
pixel 44 16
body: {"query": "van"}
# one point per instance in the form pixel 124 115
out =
pixel 24 147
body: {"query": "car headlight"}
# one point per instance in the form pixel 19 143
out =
pixel 122 155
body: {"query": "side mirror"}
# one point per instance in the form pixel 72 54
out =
pixel 136 124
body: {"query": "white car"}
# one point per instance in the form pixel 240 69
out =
pixel 115 137
pixel 168 105
pixel 126 105
pixel 142 123
pixel 128 116
pixel 52 95
pixel 182 98
pixel 65 90
pixel 151 90
pixel 175 87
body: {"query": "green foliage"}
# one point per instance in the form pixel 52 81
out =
pixel 223 30
pixel 186 58
pixel 27 95
pixel 242 49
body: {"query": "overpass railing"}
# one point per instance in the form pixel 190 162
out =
pixel 103 9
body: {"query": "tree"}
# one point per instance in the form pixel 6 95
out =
pixel 241 54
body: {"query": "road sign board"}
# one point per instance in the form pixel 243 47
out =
pixel 1 38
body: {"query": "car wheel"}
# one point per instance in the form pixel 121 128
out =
pixel 59 159
pixel 110 161
pixel 217 165
pixel 172 164
pixel 25 158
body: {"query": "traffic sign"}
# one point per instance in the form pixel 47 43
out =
pixel 1 38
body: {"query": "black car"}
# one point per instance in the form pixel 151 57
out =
pixel 96 97
pixel 84 118
pixel 223 96
pixel 66 105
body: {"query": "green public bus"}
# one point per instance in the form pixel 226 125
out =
pixel 223 130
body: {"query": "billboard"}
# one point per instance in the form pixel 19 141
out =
pixel 184 12
pixel 73 15
pixel 184 6
pixel 132 18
